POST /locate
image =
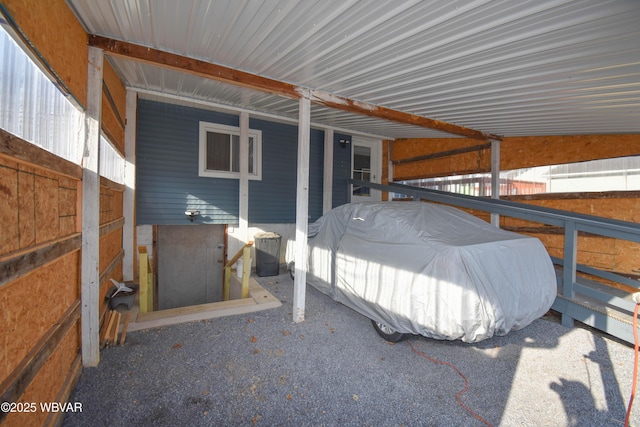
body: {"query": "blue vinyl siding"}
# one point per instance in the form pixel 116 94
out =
pixel 167 170
pixel 341 170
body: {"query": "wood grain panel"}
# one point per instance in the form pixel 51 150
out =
pixel 56 34
pixel 10 240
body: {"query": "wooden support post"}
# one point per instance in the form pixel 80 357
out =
pixel 495 178
pixel 226 285
pixel 302 207
pixel 128 202
pixel 91 213
pixel 327 182
pixel 146 281
pixel 246 270
pixel 123 335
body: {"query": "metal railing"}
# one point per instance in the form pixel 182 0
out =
pixel 590 302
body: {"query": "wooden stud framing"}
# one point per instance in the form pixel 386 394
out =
pixel 91 213
pixel 302 208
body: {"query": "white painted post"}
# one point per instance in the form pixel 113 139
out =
pixel 90 323
pixel 327 183
pixel 243 218
pixel 302 207
pixel 495 178
pixel 129 200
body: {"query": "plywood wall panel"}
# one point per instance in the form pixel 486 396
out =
pixel 48 381
pixel 627 257
pixel 515 153
pixel 110 247
pixel 68 225
pixel 46 203
pixel 475 161
pixel 58 36
pixel 9 230
pixel 67 201
pixel 114 110
pixel 523 152
pixel 27 208
pixel 32 304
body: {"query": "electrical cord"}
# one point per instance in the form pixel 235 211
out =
pixel 461 392
pixel 635 360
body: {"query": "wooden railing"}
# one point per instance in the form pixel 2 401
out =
pixel 146 281
pixel 245 253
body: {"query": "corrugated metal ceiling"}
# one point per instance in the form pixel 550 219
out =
pixel 541 67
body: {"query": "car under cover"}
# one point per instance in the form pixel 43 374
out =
pixel 430 269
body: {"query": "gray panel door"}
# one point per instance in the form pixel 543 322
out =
pixel 190 264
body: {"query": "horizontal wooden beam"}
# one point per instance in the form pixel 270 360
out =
pixel 106 182
pixel 18 149
pixel 229 75
pixel 377 111
pixel 590 195
pixel 17 265
pixel 111 226
pixel 17 382
pixel 443 154
pixel 193 66
pixel 55 418
pixel 111 267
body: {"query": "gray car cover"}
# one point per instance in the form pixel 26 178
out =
pixel 430 269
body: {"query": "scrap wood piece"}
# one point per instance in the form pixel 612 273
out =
pixel 112 319
pixel 123 335
pixel 105 327
pixel 113 331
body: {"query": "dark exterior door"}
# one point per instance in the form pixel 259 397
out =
pixel 190 264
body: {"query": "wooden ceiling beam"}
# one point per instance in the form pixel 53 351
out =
pixel 377 111
pixel 229 75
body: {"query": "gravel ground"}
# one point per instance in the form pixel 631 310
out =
pixel 334 370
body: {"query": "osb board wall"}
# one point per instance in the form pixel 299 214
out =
pixel 111 223
pixel 32 304
pixel 515 153
pixel 524 152
pixel 605 253
pixel 39 283
pixel 111 197
pixel 46 386
pixel 110 263
pixel 460 163
pixel 37 206
pixel 114 105
pixel 55 33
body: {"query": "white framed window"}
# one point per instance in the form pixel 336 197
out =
pixel 219 155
